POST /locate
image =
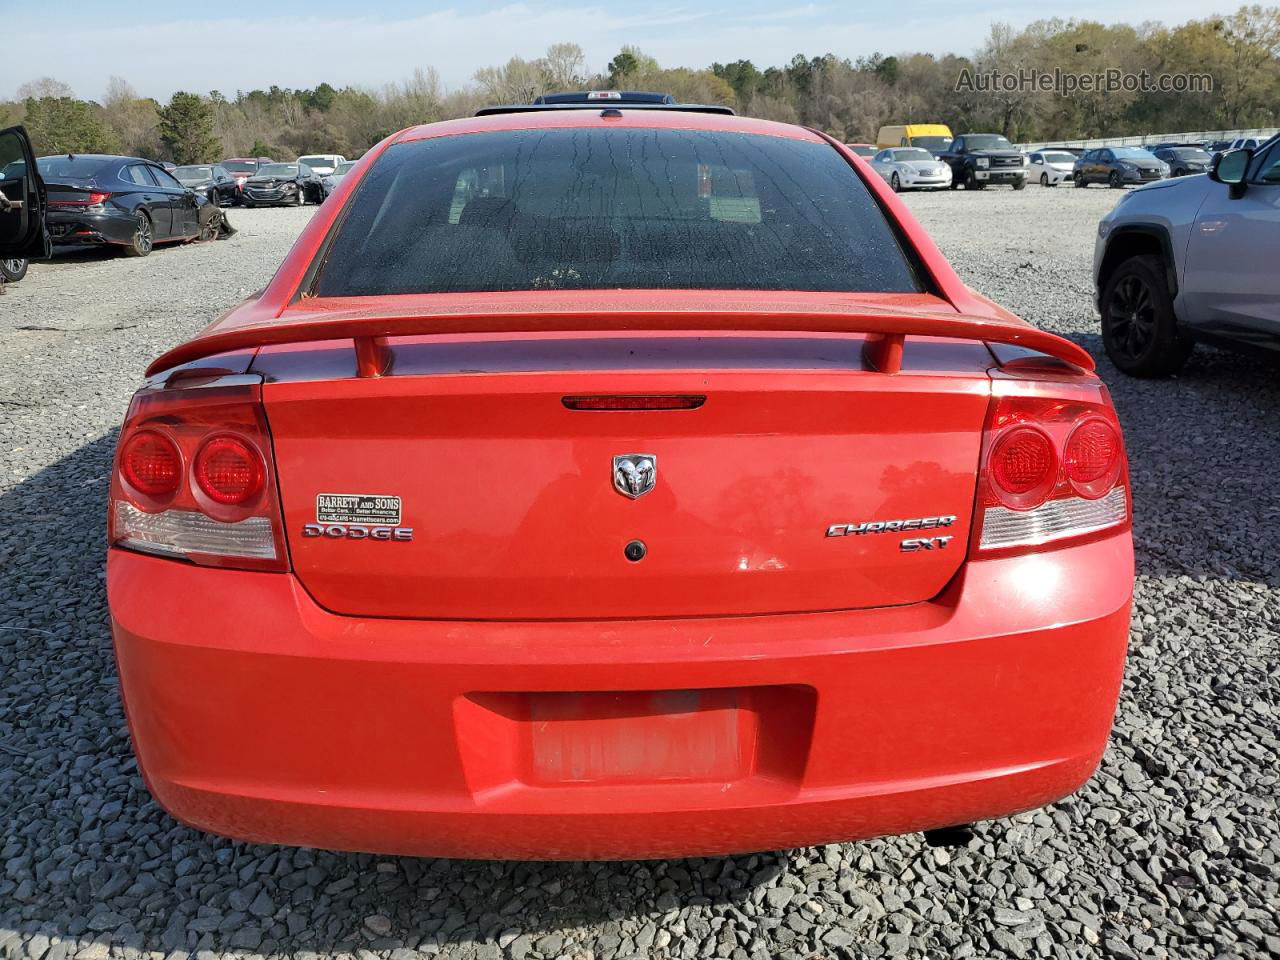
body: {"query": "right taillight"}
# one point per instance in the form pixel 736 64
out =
pixel 1053 468
pixel 194 476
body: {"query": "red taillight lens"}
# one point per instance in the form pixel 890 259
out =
pixel 1023 467
pixel 228 470
pixel 1092 458
pixel 151 464
pixel 91 199
pixel 1053 468
pixel 194 475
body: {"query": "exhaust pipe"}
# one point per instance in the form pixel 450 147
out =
pixel 957 836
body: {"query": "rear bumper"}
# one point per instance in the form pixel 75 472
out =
pixel 259 715
pixel 74 227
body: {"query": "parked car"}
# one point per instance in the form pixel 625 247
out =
pixel 282 184
pixel 1192 260
pixel 330 182
pixel 865 150
pixel 23 235
pixel 1050 167
pixel 912 168
pixel 97 199
pixel 215 182
pixel 1118 167
pixel 934 137
pixel 980 159
pixel 1183 161
pixel 323 164
pixel 569 577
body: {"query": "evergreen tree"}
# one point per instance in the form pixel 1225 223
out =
pixel 186 129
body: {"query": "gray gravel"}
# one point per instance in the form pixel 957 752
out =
pixel 1173 850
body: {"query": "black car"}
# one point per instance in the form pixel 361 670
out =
pixel 98 200
pixel 1183 160
pixel 978 160
pixel 214 181
pixel 282 184
pixel 1118 166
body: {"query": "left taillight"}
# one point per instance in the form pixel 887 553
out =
pixel 93 199
pixel 194 476
pixel 1053 469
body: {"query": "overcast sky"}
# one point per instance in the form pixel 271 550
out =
pixel 299 43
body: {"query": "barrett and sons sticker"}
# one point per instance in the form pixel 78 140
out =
pixel 357 508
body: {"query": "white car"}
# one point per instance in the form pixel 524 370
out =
pixel 322 163
pixel 911 168
pixel 1050 167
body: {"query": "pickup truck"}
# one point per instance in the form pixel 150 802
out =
pixel 978 159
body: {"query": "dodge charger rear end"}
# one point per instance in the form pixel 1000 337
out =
pixel 616 483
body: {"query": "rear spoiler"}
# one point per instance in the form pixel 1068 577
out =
pixel 882 350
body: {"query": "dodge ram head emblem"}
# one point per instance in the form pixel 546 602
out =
pixel 634 474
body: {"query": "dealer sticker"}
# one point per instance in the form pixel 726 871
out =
pixel 357 508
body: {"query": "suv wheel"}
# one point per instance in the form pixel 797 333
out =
pixel 1078 179
pixel 1139 329
pixel 1020 184
pixel 971 182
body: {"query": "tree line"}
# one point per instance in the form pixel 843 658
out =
pixel 849 99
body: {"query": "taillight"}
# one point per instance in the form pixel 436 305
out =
pixel 151 464
pixel 228 470
pixel 1053 468
pixel 194 476
pixel 93 199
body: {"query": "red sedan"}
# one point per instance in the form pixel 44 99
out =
pixel 612 483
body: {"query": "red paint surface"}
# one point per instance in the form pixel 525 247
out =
pixel 268 719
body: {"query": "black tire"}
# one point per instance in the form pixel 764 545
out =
pixel 1078 179
pixel 971 182
pixel 1114 181
pixel 209 230
pixel 894 183
pixel 13 270
pixel 1139 329
pixel 1044 179
pixel 143 240
pixel 1020 184
pixel 301 199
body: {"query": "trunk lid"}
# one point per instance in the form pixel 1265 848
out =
pixel 511 499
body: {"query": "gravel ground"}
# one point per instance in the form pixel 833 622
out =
pixel 1173 850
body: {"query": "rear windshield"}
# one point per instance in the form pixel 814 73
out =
pixel 64 166
pixel 593 209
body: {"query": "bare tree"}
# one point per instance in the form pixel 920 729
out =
pixel 564 66
pixel 44 87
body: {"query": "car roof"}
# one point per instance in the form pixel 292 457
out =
pixel 629 119
pixel 104 157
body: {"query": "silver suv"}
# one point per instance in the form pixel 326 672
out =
pixel 1192 259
